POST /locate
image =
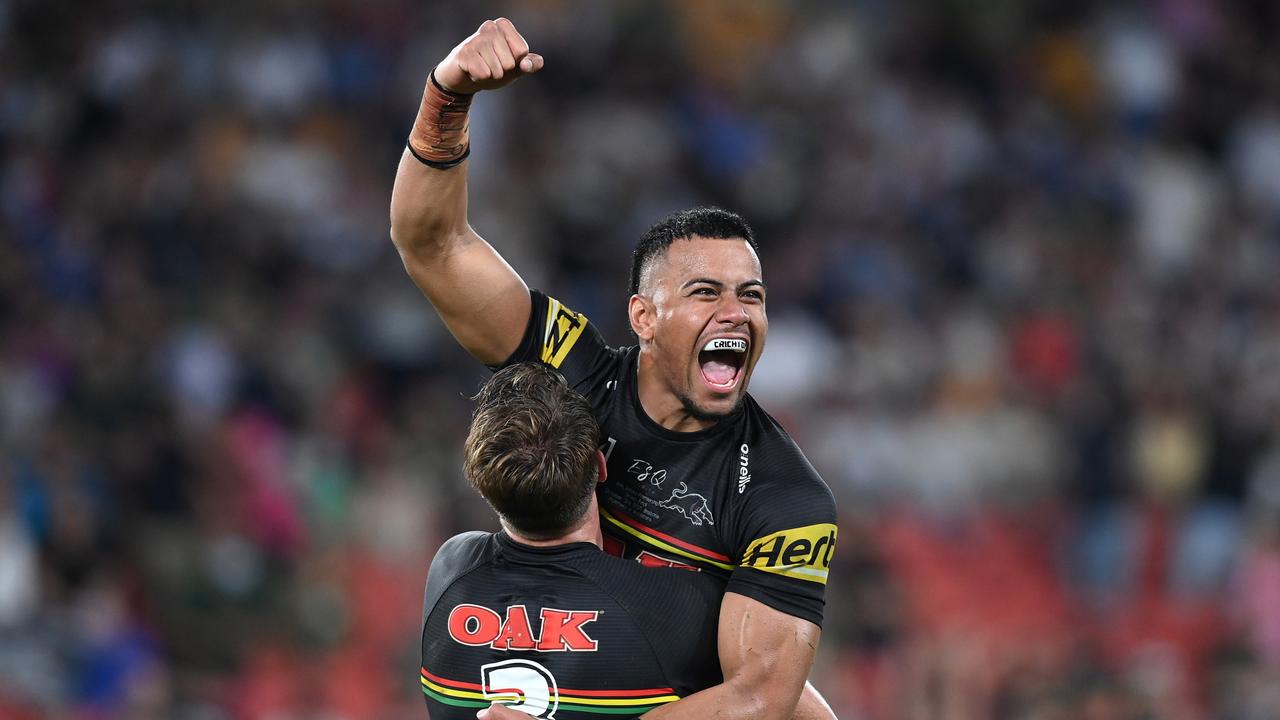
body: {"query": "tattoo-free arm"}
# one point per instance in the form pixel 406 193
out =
pixel 765 655
pixel 482 301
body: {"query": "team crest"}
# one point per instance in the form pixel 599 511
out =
pixel 691 505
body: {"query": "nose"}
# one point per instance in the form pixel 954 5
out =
pixel 732 312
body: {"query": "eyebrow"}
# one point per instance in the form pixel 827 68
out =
pixel 711 281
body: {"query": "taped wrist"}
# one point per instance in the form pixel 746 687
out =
pixel 441 135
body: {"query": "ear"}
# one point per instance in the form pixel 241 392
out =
pixel 641 312
pixel 603 470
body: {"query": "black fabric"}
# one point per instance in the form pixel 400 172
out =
pixel 653 628
pixel 695 498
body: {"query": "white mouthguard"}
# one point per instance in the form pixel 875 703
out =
pixel 734 344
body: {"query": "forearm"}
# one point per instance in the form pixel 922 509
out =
pixel 765 656
pixel 728 701
pixel 429 198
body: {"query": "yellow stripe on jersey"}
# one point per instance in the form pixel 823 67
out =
pixel 563 699
pixel 563 328
pixel 655 542
pixel 803 553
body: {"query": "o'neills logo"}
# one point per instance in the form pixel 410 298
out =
pixel 803 553
pixel 561 630
pixel 744 472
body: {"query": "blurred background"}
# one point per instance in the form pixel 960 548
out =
pixel 1022 260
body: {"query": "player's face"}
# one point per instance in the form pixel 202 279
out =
pixel 709 322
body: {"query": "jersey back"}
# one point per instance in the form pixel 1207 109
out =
pixel 566 631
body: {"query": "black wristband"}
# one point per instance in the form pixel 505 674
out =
pixel 440 165
pixel 444 89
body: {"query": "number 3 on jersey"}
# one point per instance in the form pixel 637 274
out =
pixel 522 685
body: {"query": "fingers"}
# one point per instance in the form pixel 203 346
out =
pixel 492 57
pixel 502 48
pixel 515 42
pixel 489 55
pixel 531 63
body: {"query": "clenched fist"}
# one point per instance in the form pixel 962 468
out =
pixel 492 57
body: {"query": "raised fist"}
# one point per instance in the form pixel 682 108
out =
pixel 492 57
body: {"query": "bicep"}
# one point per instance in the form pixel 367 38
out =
pixel 766 649
pixel 481 299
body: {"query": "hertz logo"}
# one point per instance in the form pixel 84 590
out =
pixel 563 328
pixel 803 553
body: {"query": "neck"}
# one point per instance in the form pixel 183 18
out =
pixel 587 530
pixel 661 404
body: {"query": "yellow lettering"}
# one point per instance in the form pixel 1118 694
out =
pixel 563 328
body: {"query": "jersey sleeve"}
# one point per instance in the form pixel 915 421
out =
pixel 564 339
pixel 785 539
pixel 455 557
pixel 691 626
pixel 678 611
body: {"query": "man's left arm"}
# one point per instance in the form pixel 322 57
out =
pixel 771 615
pixel 765 655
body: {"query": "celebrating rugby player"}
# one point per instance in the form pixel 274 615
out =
pixel 612 637
pixel 703 478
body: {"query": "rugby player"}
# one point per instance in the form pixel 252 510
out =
pixel 537 615
pixel 704 478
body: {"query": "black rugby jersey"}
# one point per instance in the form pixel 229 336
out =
pixel 565 631
pixel 737 500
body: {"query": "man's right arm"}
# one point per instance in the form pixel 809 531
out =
pixel 481 299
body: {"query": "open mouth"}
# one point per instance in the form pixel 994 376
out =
pixel 721 361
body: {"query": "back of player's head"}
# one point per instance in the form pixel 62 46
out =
pixel 707 222
pixel 531 451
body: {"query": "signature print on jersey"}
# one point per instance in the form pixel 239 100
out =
pixel 643 471
pixel 693 506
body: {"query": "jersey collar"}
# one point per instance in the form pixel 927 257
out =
pixel 544 553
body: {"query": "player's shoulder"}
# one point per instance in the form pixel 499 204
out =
pixel 463 547
pixel 660 590
pixel 770 463
pixel 456 557
pixel 674 608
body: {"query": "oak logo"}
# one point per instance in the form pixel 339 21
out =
pixel 803 553
pixel 563 328
pixel 561 631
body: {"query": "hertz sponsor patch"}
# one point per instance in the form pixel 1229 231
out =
pixel 563 328
pixel 803 553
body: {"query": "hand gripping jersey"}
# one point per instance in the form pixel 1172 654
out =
pixel 563 632
pixel 738 500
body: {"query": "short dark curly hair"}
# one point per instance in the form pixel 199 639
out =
pixel 708 222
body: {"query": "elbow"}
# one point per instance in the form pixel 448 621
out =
pixel 412 234
pixel 418 236
pixel 764 700
pixel 762 706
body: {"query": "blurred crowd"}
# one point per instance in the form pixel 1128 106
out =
pixel 1025 320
